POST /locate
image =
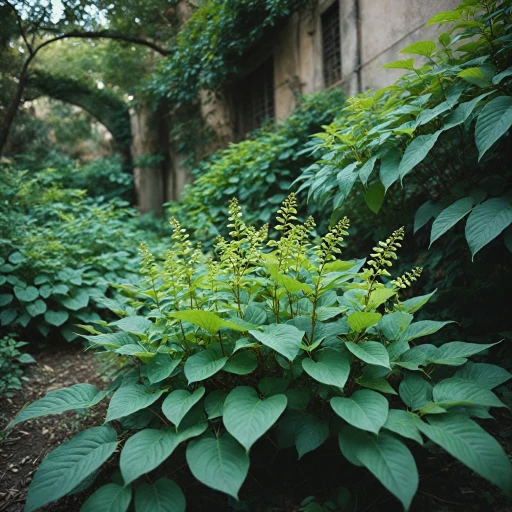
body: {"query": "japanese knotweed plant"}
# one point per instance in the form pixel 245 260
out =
pixel 281 339
pixel 441 131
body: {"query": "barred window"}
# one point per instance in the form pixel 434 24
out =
pixel 257 97
pixel 331 47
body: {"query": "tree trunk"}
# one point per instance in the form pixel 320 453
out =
pixel 12 109
pixel 152 160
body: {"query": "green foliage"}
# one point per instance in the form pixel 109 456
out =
pixel 61 256
pixel 274 333
pixel 12 361
pixel 440 130
pixel 210 44
pixel 259 170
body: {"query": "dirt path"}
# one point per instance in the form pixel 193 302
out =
pixel 23 448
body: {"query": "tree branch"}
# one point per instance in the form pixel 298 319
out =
pixel 20 26
pixel 107 34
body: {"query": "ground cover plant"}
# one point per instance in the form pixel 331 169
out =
pixel 272 337
pixel 12 362
pixel 62 254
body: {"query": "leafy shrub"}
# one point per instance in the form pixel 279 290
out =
pixel 60 252
pixel 293 338
pixel 259 171
pixel 11 364
pixel 441 130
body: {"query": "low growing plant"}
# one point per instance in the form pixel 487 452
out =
pixel 272 338
pixel 12 362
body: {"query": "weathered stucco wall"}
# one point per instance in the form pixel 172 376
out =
pixel 386 26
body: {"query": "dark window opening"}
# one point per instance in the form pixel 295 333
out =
pixel 331 46
pixel 256 95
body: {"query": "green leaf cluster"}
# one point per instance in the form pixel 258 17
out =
pixel 441 128
pixel 274 338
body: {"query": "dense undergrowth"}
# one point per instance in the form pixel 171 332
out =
pixel 264 334
pixel 258 171
pixel 273 333
pixel 62 253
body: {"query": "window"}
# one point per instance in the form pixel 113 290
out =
pixel 331 47
pixel 257 97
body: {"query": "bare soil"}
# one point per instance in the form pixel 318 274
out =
pixel 277 482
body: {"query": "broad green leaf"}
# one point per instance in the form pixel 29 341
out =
pixel 298 398
pixel 160 367
pixel 425 48
pixel 493 121
pixel 28 294
pixel 415 391
pixel 403 423
pixel 56 318
pixel 379 296
pixel 207 320
pixel 486 222
pixel 445 17
pixel 179 402
pixel 456 353
pixel 393 324
pixel 461 392
pixel 135 350
pixel 269 386
pixel 389 167
pixel 500 76
pixel 147 449
pixel 242 363
pixel 79 396
pixel 204 364
pixel 112 340
pixel 133 324
pixel 69 464
pixel 291 285
pixel 284 339
pixel 465 440
pixel 360 321
pixel 331 367
pixel 367 169
pixel 162 496
pixel 377 384
pixel 424 213
pixel 431 408
pixel 422 328
pixel 487 375
pixel 387 458
pixel 417 151
pixel 78 300
pixel 247 417
pixel 6 298
pixel 374 196
pixel 214 403
pixel 346 179
pixel 412 305
pixel 427 115
pixel 365 409
pixel 474 76
pixel 310 433
pixel 462 112
pixel 36 308
pixel 129 399
pixel 371 352
pixel 450 216
pixel 400 64
pixel 220 463
pixel 109 498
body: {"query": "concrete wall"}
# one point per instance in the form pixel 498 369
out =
pixel 386 26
